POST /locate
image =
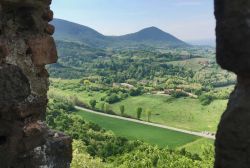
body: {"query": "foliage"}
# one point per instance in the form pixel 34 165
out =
pixel 114 66
pixel 206 99
pixel 136 92
pixel 139 112
pixel 178 94
pixel 149 114
pixel 81 159
pixel 92 103
pixel 113 98
pixel 122 109
pixel 147 156
pixel 98 142
pixel 95 147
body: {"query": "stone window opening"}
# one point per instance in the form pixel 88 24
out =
pixel 34 145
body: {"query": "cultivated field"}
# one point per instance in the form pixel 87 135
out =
pixel 186 113
pixel 135 131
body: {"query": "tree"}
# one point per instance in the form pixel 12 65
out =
pixel 92 103
pixel 206 99
pixel 136 92
pixel 86 82
pixel 113 98
pixel 102 106
pixel 82 159
pixel 149 115
pixel 122 109
pixel 107 107
pixel 139 112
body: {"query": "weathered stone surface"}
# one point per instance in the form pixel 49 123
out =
pixel 34 134
pixel 233 35
pixel 26 3
pixel 55 153
pixel 233 136
pixel 43 50
pixel 3 52
pixel 11 141
pixel 50 29
pixel 14 85
pixel 48 15
pixel 32 107
pixel 25 48
pixel 232 144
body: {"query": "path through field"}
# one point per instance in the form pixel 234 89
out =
pixel 148 123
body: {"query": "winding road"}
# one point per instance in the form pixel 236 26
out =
pixel 147 123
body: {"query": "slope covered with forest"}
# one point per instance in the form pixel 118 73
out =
pixel 148 37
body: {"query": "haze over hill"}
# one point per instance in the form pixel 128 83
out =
pixel 150 37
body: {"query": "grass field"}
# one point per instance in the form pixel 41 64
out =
pixel 136 131
pixel 186 113
pixel 190 63
pixel 198 145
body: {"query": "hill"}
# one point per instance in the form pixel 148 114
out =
pixel 148 37
pixel 153 36
pixel 73 32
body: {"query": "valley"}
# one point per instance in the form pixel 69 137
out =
pixel 148 76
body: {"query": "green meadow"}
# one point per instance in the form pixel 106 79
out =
pixel 135 131
pixel 185 113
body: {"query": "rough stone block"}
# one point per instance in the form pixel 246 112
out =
pixel 43 50
pixel 233 35
pixel 56 153
pixel 3 51
pixel 50 29
pixel 25 3
pixel 14 85
pixel 25 47
pixel 48 15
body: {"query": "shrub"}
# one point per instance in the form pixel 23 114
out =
pixel 122 109
pixel 92 103
pixel 139 112
pixel 178 94
pixel 206 99
pixel 113 98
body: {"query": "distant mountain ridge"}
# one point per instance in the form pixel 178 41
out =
pixel 150 37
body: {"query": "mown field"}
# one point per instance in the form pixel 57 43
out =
pixel 190 63
pixel 186 113
pixel 135 131
pixel 198 145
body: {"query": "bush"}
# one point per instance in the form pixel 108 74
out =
pixel 178 94
pixel 122 109
pixel 136 92
pixel 113 98
pixel 78 102
pixel 92 103
pixel 139 112
pixel 206 99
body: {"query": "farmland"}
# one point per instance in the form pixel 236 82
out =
pixel 136 131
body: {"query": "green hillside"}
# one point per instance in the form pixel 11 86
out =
pixel 149 37
pixel 135 131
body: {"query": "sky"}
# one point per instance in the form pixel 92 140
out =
pixel 190 20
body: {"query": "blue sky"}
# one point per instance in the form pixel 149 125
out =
pixel 186 19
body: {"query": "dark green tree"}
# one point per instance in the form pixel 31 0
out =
pixel 139 112
pixel 92 103
pixel 122 109
pixel 149 114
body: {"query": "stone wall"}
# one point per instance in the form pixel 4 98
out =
pixel 26 46
pixel 233 53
